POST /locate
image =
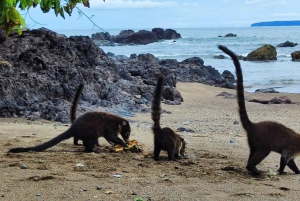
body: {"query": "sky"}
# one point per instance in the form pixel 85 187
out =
pixel 147 14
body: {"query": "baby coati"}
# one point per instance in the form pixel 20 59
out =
pixel 88 128
pixel 164 138
pixel 265 136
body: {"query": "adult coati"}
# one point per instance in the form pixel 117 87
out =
pixel 265 136
pixel 164 138
pixel 88 127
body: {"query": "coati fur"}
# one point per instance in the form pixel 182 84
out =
pixel 164 138
pixel 265 136
pixel 88 128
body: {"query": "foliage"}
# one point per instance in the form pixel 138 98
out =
pixel 11 19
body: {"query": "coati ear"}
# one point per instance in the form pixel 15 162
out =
pixel 124 123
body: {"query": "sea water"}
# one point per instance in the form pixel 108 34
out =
pixel 282 74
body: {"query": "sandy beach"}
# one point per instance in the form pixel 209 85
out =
pixel 214 169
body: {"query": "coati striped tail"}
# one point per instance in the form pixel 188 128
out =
pixel 65 135
pixel 156 108
pixel 239 88
pixel 74 103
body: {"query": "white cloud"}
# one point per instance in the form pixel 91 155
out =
pixel 131 4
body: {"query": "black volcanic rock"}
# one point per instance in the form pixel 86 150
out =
pixel 171 34
pixel 142 37
pixel 2 35
pixel 229 35
pixel 160 33
pixel 40 71
pixel 287 44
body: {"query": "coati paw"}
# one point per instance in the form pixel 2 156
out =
pixel 253 171
pixel 282 172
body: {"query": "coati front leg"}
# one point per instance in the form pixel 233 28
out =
pixel 157 149
pixel 171 154
pixel 89 144
pixel 75 141
pixel 291 164
pixel 113 138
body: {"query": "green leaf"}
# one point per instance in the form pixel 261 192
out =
pixel 57 7
pixel 61 12
pixel 67 10
pixel 29 3
pixel 23 4
pixel 35 3
pixel 86 3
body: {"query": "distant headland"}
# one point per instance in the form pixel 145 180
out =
pixel 277 23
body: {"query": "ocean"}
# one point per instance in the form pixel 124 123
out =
pixel 282 74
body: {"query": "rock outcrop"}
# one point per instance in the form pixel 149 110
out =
pixel 264 53
pixel 40 71
pixel 229 35
pixel 287 44
pixel 129 37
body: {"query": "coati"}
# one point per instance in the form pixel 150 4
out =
pixel 265 136
pixel 88 128
pixel 164 138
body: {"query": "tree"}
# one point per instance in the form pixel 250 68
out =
pixel 11 19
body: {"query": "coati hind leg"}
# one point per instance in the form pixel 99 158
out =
pixel 90 144
pixel 255 157
pixel 292 165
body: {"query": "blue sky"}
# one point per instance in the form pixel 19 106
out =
pixel 136 14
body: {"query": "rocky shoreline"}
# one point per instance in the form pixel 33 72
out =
pixel 40 70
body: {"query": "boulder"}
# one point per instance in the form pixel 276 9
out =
pixel 264 53
pixel 230 35
pixel 228 76
pixel 171 34
pixel 101 36
pixel 160 33
pixel 287 44
pixel 267 90
pixel 295 56
pixel 142 37
pixel 220 56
